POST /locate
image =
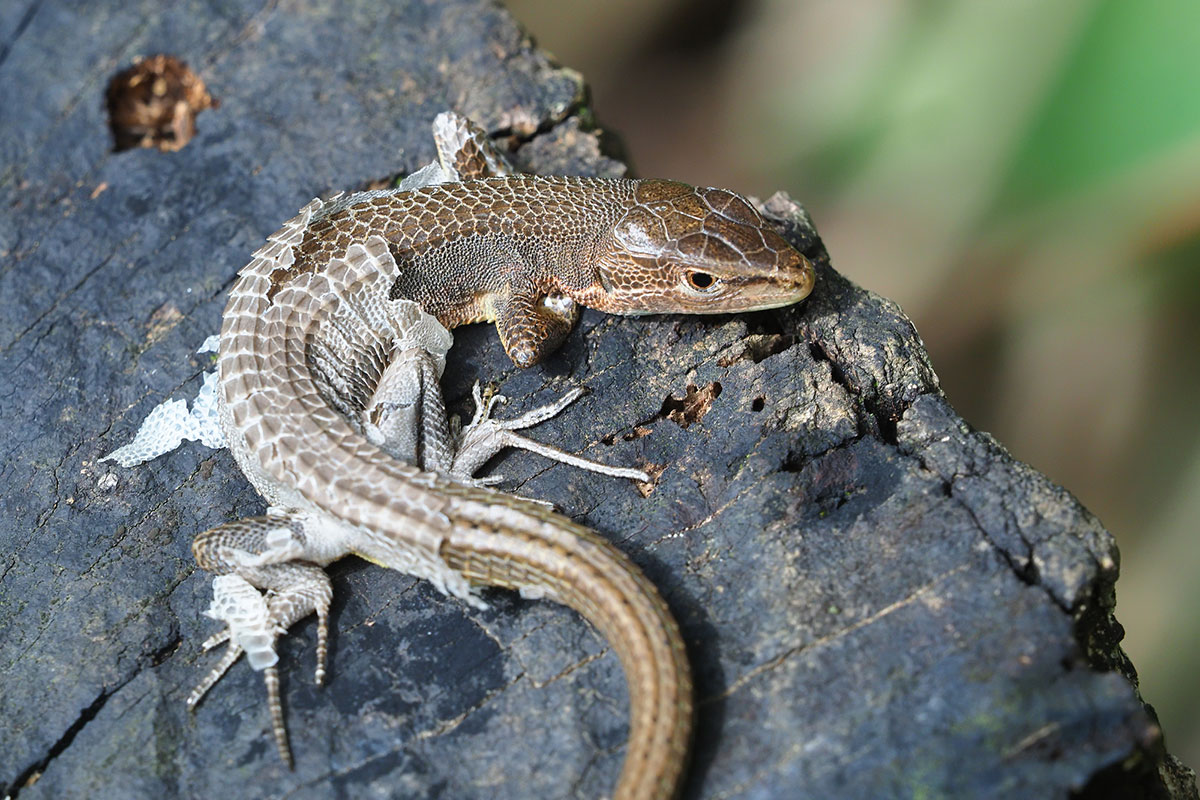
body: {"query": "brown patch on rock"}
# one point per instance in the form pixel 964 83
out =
pixel 154 103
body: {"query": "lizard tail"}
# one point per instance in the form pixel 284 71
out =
pixel 570 564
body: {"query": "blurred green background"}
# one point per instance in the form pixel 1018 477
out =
pixel 1022 177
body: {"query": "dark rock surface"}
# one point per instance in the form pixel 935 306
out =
pixel 878 601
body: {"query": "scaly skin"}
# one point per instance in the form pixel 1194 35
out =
pixel 524 251
pixel 308 331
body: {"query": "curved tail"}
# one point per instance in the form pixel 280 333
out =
pixel 572 565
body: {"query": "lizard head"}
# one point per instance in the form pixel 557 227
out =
pixel 695 251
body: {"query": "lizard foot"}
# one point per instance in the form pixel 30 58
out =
pixel 484 436
pixel 253 555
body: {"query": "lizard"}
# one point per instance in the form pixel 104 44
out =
pixel 322 317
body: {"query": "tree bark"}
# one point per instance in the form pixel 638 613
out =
pixel 878 600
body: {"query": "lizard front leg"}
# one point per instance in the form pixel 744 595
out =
pixel 532 324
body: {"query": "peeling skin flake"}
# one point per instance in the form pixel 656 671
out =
pixel 170 423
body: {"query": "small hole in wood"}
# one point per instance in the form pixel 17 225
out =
pixel 692 407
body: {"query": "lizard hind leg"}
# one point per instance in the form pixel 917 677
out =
pixel 485 436
pixel 405 414
pixel 261 588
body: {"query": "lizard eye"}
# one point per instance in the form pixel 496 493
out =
pixel 701 281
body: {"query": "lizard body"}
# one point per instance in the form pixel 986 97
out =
pixel 316 320
pixel 524 251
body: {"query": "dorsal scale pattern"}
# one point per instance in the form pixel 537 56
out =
pixel 445 239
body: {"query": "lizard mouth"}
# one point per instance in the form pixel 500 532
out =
pixel 708 288
pixel 790 284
